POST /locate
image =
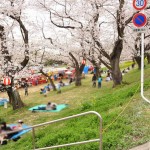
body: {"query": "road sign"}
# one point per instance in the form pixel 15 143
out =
pixel 139 20
pixel 139 4
pixel 6 81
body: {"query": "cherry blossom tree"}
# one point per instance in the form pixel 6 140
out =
pixel 39 53
pixel 11 18
pixel 137 54
pixel 67 50
pixel 118 12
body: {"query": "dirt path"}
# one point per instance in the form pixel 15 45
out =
pixel 21 91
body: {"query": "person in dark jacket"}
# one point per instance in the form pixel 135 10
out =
pixel 6 129
pixel 94 80
pixel 26 88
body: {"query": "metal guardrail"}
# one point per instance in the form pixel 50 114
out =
pixel 142 69
pixel 70 144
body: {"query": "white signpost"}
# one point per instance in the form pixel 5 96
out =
pixel 140 20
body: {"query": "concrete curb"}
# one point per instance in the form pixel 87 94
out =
pixel 145 146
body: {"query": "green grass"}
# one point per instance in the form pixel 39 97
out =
pixel 126 64
pixel 131 128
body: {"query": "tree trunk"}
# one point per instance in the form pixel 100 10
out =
pixel 15 99
pixel 114 61
pixel 79 70
pixel 52 83
pixel 116 73
pixel 138 61
pixel 78 77
pixel 148 58
pixel 49 77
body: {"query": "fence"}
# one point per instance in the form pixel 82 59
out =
pixel 70 144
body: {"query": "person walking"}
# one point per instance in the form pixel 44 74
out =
pixel 99 82
pixel 94 80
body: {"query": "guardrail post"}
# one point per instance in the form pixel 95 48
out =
pixel 33 137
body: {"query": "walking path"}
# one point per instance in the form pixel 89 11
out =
pixel 145 146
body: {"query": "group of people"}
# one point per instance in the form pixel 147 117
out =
pixel 7 132
pixel 49 87
pixel 46 89
pixel 128 69
pixel 108 77
pixel 99 80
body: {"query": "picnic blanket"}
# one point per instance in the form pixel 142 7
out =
pixel 59 108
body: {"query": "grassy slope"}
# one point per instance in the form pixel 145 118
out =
pixel 130 129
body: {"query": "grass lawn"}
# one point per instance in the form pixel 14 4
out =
pixel 126 116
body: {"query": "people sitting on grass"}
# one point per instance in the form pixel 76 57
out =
pixel 108 78
pixel 49 106
pixel 128 68
pixel 18 126
pixel 4 132
pixel 44 92
pixel 48 87
pixel 6 135
pixel 61 83
pixel 124 71
pixel 133 65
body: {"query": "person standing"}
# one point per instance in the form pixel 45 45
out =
pixel 70 80
pixel 99 82
pixel 58 88
pixel 26 89
pixel 94 80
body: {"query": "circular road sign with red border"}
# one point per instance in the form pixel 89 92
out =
pixel 139 20
pixel 139 4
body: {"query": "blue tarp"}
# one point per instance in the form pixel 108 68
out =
pixel 3 100
pixel 95 70
pixel 18 134
pixel 85 70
